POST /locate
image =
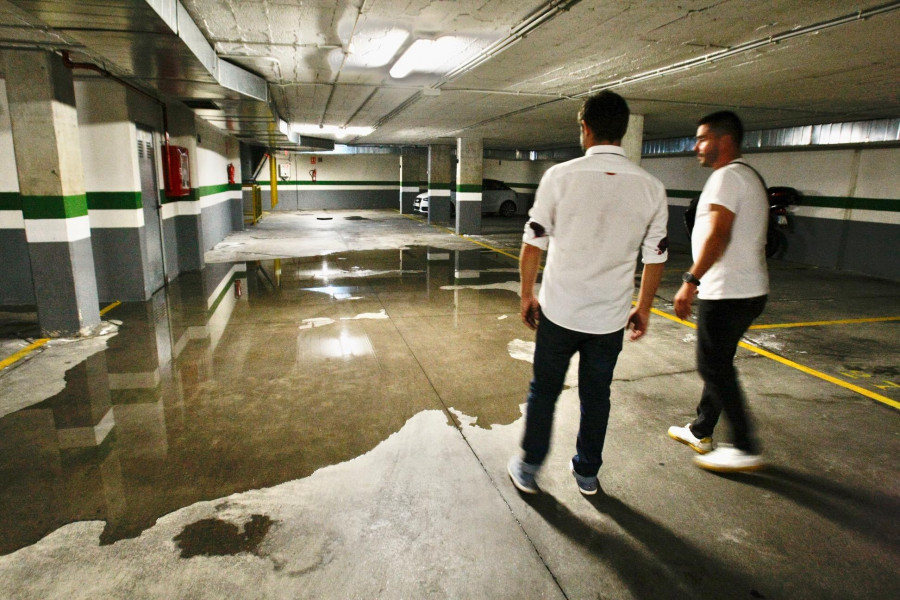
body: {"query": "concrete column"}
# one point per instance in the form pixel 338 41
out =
pixel 634 138
pixel 412 176
pixel 51 185
pixel 439 165
pixel 470 153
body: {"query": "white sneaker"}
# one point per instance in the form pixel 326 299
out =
pixel 686 437
pixel 727 459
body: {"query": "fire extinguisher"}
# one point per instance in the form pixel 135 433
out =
pixel 230 169
pixel 312 174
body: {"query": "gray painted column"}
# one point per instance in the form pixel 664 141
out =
pixel 470 152
pixel 51 186
pixel 412 176
pixel 439 164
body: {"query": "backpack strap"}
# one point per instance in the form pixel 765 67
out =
pixel 761 180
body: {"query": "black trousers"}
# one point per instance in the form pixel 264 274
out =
pixel 720 325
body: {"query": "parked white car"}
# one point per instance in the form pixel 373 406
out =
pixel 496 197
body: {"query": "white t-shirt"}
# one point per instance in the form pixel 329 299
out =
pixel 741 271
pixel 593 215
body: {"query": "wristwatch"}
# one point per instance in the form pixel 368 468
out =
pixel 688 277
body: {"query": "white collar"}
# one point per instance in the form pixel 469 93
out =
pixel 605 149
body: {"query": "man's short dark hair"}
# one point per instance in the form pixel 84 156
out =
pixel 725 122
pixel 606 115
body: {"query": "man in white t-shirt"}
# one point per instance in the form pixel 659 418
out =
pixel 593 215
pixel 729 276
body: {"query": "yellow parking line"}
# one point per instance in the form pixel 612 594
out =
pixel 817 323
pixel 450 231
pixel 798 366
pixel 38 343
pixel 109 308
pixel 849 386
pixel 820 375
pixel 23 352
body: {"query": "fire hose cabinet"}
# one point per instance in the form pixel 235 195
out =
pixel 179 176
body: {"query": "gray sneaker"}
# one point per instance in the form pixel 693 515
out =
pixel 522 475
pixel 586 485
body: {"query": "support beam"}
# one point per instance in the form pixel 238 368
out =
pixel 439 165
pixel 470 152
pixel 51 184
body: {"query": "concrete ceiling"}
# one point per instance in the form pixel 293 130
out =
pixel 519 75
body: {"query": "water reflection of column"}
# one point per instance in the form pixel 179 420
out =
pixel 61 453
pixel 139 369
pixel 433 255
pixel 467 270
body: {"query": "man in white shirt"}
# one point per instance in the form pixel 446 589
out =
pixel 729 276
pixel 593 215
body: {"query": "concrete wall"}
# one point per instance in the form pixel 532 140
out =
pixel 16 286
pixel 108 119
pixel 372 181
pixel 347 181
pixel 849 217
pixel 220 202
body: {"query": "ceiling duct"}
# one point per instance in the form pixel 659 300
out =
pixel 155 45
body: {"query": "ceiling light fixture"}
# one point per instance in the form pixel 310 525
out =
pixel 376 48
pixel 436 56
pixel 340 133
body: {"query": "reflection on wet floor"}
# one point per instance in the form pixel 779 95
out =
pixel 246 376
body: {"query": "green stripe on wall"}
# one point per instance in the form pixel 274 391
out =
pixel 883 204
pixel 322 182
pixel 114 200
pixel 468 187
pixel 54 207
pixel 683 193
pixel 209 190
pixel 10 201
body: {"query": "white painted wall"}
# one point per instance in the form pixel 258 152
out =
pixel 350 167
pixel 517 171
pixel 863 173
pixel 107 138
pixel 214 151
pixel 879 174
pixel 9 177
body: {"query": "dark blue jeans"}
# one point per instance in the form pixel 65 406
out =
pixel 554 348
pixel 720 325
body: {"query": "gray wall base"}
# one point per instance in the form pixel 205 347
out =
pixel 16 284
pixel 65 287
pixel 468 218
pixel 438 209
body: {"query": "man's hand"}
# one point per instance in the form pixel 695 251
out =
pixel 638 322
pixel 530 308
pixel 683 300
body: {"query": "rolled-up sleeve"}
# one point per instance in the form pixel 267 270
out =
pixel 655 248
pixel 539 227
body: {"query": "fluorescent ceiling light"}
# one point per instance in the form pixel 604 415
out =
pixel 436 56
pixel 376 47
pixel 341 133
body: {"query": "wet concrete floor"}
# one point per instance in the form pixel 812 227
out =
pixel 335 424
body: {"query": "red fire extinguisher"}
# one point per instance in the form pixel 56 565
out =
pixel 312 174
pixel 230 170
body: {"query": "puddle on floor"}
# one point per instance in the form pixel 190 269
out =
pixel 249 375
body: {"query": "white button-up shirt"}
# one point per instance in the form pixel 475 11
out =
pixel 593 215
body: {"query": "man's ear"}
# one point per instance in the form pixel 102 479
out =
pixel 586 133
